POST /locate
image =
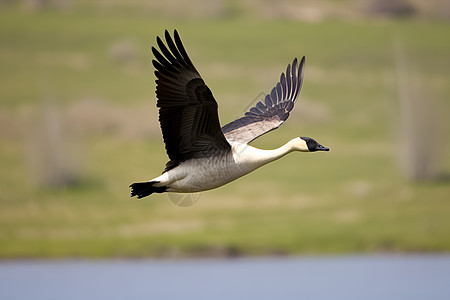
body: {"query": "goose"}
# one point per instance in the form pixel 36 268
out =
pixel 202 154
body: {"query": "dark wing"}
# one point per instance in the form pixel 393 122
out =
pixel 187 109
pixel 267 116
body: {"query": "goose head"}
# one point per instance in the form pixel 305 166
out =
pixel 306 144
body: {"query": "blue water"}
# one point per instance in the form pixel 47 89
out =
pixel 313 278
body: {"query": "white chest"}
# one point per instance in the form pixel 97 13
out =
pixel 208 173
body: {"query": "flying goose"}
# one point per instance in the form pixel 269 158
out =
pixel 203 155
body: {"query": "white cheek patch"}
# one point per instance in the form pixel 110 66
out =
pixel 305 146
pixel 302 145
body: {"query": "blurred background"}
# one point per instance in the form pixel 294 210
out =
pixel 78 124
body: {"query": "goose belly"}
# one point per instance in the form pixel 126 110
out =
pixel 202 174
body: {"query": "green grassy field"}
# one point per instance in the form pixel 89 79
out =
pixel 88 73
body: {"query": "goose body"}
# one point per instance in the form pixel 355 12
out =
pixel 200 174
pixel 202 154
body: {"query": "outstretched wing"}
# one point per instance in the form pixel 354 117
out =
pixel 267 116
pixel 187 109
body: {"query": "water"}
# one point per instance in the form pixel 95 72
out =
pixel 313 278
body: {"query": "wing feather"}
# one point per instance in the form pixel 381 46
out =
pixel 187 109
pixel 267 116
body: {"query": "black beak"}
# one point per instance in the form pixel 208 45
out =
pixel 319 147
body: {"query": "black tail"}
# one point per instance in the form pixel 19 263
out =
pixel 144 189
